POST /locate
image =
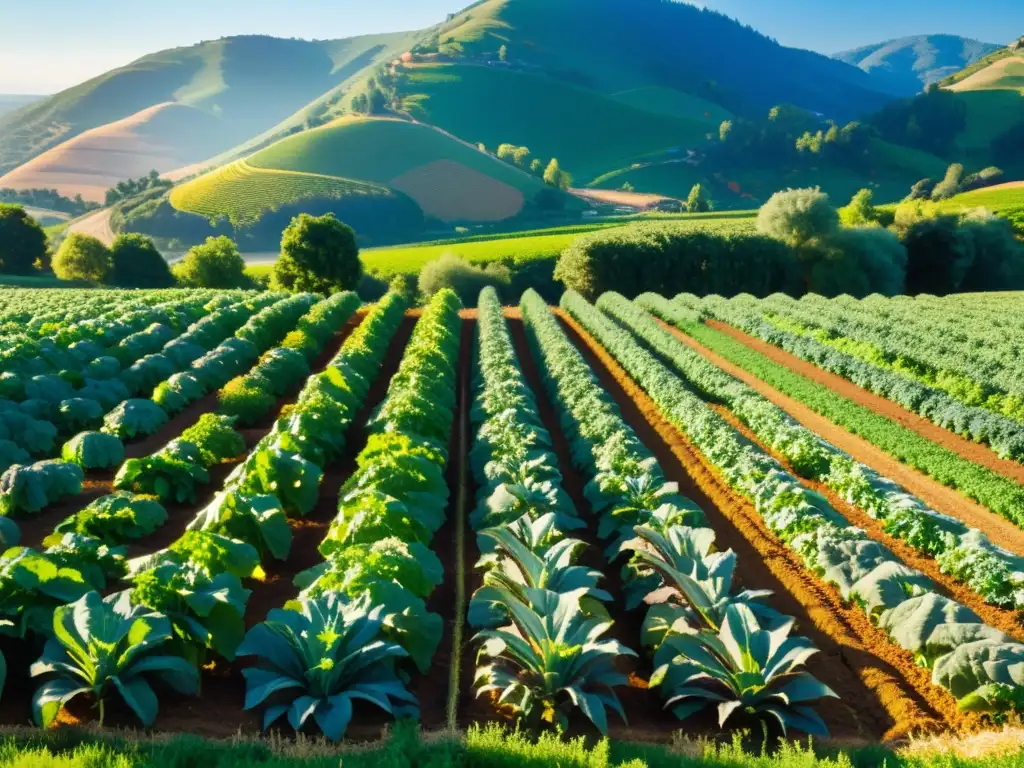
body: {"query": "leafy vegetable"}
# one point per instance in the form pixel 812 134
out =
pixel 134 418
pixel 216 439
pixel 114 519
pixel 93 450
pixel 33 487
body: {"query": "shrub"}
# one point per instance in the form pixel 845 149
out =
pixel 672 258
pixel 214 264
pixel 22 241
pixel 138 264
pixel 82 257
pixel 467 280
pixel 798 217
pixel 318 254
pixel 864 260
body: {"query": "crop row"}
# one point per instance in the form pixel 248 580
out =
pixel 981 667
pixel 1003 434
pixel 362 612
pixel 994 573
pixel 990 489
pixel 711 646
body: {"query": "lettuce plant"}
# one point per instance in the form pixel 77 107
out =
pixel 33 487
pixel 114 519
pixel 93 450
pixel 215 437
pixel 134 418
pixel 260 520
pixel 31 586
pixel 164 475
pixel 95 560
pixel 314 662
pixel 101 647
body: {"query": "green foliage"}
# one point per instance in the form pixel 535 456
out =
pixel 32 585
pixel 82 257
pixel 930 121
pixel 22 241
pixel 675 258
pixel 32 487
pixel 102 646
pixel 318 254
pixel 138 264
pixel 801 218
pixel 164 474
pixel 320 658
pixel 134 418
pixel 861 211
pixel 114 519
pixel 215 264
pixel 554 176
pixel 698 201
pixel 215 437
pixel 245 399
pixel 93 450
pixel 862 261
pixel 951 184
pixel 467 280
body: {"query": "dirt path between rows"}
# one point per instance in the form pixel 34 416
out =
pixel 883 689
pixel 1005 620
pixel 946 500
pixel 967 449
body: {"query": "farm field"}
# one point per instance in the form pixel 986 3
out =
pixel 321 515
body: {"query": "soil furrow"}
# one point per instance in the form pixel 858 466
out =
pixel 979 453
pixel 881 688
pixel 1002 532
pixel 1007 621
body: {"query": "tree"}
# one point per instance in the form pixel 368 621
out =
pixel 464 278
pixel 319 254
pixel 503 53
pixel 482 147
pixel 537 166
pixel 801 218
pixel 951 184
pixel 554 176
pixel 939 253
pixel 82 257
pixel 506 151
pixel 698 202
pixel 725 130
pixel 861 261
pixel 214 264
pixel 22 241
pixel 520 156
pixel 860 212
pixel 998 256
pixel 627 187
pixel 922 190
pixel 138 264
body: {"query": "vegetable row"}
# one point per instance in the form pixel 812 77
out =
pixel 981 667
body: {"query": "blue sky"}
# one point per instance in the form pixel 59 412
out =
pixel 48 46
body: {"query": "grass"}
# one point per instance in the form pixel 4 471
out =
pixel 589 133
pixel 671 103
pixel 489 747
pixel 999 494
pixel 999 198
pixel 990 114
pixel 379 151
pixel 40 281
pixel 243 193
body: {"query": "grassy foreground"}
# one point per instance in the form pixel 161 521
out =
pixel 490 747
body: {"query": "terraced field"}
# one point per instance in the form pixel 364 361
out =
pixel 331 515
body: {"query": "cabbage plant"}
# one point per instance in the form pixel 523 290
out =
pixel 550 660
pixel 314 662
pixel 741 668
pixel 101 647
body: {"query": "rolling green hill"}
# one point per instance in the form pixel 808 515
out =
pixel 590 134
pixel 906 65
pixel 249 83
pixel 610 46
pixel 11 102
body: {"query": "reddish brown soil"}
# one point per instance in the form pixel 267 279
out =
pixel 881 689
pixel 1007 621
pixel 946 500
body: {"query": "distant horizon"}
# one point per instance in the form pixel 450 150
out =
pixel 38 58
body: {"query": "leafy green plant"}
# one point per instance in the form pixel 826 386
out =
pixel 100 647
pixel 31 586
pixel 271 470
pixel 134 418
pixel 314 662
pixel 94 559
pixel 93 450
pixel 741 668
pixel 33 487
pixel 246 399
pixel 178 391
pixel 260 520
pixel 363 567
pixel 550 659
pixel 114 519
pixel 163 475
pixel 215 437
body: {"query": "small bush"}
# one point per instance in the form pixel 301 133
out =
pixel 138 264
pixel 82 257
pixel 214 264
pixel 467 280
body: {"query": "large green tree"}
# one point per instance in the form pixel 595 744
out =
pixel 138 264
pixel 318 254
pixel 22 241
pixel 82 257
pixel 214 264
pixel 698 202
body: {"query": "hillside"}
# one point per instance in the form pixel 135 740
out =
pixel 11 102
pixel 610 46
pixel 906 65
pixel 249 84
pixel 94 161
